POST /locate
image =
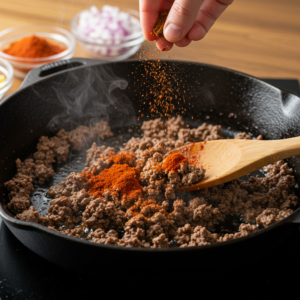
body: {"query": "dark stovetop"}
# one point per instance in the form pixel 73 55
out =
pixel 24 275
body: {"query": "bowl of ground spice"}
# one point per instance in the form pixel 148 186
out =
pixel 29 47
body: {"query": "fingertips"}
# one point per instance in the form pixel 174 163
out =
pixel 181 19
pixel 148 21
pixel 163 45
pixel 184 42
pixel 149 11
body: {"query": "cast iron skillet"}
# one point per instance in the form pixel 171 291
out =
pixel 80 91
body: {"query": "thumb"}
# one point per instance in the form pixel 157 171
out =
pixel 181 19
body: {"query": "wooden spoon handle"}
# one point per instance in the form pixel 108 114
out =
pixel 282 149
pixel 251 155
pixel 225 160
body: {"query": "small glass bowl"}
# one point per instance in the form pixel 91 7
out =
pixel 108 51
pixel 7 70
pixel 53 34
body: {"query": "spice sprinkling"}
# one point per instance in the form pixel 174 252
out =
pixel 33 47
pixel 165 86
pixel 173 162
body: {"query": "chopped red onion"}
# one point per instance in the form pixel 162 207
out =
pixel 108 27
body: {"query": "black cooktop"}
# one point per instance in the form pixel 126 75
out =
pixel 24 275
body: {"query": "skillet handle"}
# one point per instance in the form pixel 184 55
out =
pixel 48 70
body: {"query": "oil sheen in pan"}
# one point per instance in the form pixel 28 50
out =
pixel 76 163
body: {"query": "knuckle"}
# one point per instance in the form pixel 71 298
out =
pixel 208 14
pixel 180 10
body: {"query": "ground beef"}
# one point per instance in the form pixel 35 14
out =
pixel 30 215
pixel 20 186
pixel 202 133
pixel 201 236
pixel 27 167
pixel 160 242
pixel 245 229
pixel 158 216
pixel 73 183
pixel 59 213
pixel 102 130
pixel 272 215
pixel 62 145
pixel 18 204
pixel 245 136
pixel 19 189
pixel 101 213
pixel 42 172
pixel 108 238
pixel 83 135
pixel 100 159
pixel 80 137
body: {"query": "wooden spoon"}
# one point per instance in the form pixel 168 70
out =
pixel 225 160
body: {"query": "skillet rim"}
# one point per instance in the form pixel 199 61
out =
pixel 46 230
pixel 138 61
pixel 7 218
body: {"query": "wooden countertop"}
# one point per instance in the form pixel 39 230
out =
pixel 258 37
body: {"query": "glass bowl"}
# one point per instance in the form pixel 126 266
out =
pixel 105 50
pixel 7 70
pixel 52 34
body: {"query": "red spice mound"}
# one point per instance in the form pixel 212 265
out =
pixel 121 177
pixel 173 162
pixel 123 158
pixel 33 47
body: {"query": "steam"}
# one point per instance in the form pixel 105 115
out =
pixel 91 95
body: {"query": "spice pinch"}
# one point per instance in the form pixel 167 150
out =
pixel 226 160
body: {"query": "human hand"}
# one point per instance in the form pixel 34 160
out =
pixel 188 20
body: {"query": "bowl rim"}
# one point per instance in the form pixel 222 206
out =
pixel 128 40
pixel 60 31
pixel 6 84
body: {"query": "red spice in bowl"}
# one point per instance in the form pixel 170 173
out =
pixel 33 47
pixel 29 47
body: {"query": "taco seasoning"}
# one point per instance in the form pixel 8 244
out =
pixel 158 29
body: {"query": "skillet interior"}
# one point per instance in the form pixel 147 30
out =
pixel 25 116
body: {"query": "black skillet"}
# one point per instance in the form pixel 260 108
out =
pixel 81 91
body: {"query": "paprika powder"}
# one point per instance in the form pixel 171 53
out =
pixel 119 177
pixel 33 47
pixel 173 162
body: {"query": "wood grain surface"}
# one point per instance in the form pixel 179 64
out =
pixel 258 37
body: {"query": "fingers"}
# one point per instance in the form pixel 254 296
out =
pixel 188 20
pixel 184 42
pixel 163 45
pixel 149 11
pixel 181 19
pixel 208 13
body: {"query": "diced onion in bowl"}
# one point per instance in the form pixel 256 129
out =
pixel 107 32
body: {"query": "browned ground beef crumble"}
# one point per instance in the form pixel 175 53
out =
pixel 158 219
